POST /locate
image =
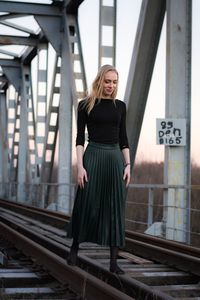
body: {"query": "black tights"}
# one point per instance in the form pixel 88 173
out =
pixel 114 268
pixel 72 257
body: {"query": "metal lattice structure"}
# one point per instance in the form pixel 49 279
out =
pixel 107 22
pixel 50 50
pixel 37 114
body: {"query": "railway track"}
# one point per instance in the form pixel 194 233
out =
pixel 154 268
pixel 21 278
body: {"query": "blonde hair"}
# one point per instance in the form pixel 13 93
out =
pixel 97 87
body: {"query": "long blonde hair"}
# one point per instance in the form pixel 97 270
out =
pixel 97 87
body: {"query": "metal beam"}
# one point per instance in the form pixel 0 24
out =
pixel 44 9
pixel 15 26
pixel 11 16
pixel 3 83
pixel 178 106
pixel 18 40
pixel 30 8
pixel 72 6
pixel 141 68
pixel 13 107
pixel 9 63
pixel 49 26
pixel 8 53
pixel 3 144
pixel 22 177
pixel 107 19
pixel 65 122
pixel 14 76
pixel 3 79
pixel 28 55
pixel 41 101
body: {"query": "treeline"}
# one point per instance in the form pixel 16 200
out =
pixel 152 172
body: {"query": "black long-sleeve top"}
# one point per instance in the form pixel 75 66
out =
pixel 106 123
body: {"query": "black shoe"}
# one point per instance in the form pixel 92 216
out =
pixel 72 259
pixel 72 256
pixel 116 269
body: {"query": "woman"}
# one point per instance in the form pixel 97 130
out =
pixel 103 169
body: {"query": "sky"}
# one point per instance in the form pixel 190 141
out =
pixel 127 19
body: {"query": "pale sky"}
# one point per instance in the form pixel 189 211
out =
pixel 127 18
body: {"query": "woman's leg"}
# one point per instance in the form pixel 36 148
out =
pixel 114 268
pixel 72 257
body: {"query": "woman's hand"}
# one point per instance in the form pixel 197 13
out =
pixel 127 166
pixel 127 174
pixel 82 176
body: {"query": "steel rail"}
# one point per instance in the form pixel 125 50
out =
pixel 52 217
pixel 171 245
pixel 86 285
pixel 182 261
pixel 130 286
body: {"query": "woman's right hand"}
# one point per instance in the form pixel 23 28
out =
pixel 82 176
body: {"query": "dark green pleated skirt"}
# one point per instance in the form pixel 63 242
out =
pixel 99 209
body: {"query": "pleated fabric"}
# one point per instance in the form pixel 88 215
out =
pixel 99 209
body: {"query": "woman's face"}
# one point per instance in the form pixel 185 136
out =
pixel 109 83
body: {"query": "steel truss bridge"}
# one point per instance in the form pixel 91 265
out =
pixel 42 83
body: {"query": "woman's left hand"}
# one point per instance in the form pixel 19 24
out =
pixel 127 175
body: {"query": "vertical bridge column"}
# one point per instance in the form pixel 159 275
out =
pixel 178 105
pixel 107 31
pixel 41 106
pixel 65 122
pixel 3 145
pixel 23 136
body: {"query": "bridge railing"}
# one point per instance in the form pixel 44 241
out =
pixel 43 195
pixel 149 207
